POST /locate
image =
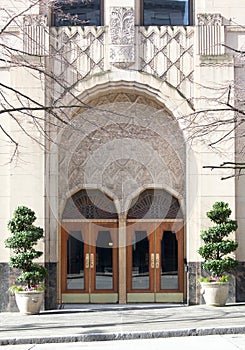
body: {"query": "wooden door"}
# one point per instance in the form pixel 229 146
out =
pixel 169 258
pixel 155 262
pixel 140 266
pixel 104 258
pixel 74 258
pixel 89 264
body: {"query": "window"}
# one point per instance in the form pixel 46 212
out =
pixel 76 13
pixel 166 12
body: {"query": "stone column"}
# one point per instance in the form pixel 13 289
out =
pixel 122 260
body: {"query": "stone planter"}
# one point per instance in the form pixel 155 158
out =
pixel 215 293
pixel 29 303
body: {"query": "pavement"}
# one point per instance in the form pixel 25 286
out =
pixel 87 323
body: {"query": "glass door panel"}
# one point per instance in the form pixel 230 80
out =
pixel 170 249
pixel 104 261
pixel 74 252
pixel 140 261
pixel 104 255
pixel 75 261
pixel 89 262
pixel 169 261
pixel 140 271
pixel 154 261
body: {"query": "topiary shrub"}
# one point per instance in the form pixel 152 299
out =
pixel 24 236
pixel 217 246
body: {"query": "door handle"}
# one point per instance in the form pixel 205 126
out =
pixel 87 261
pixel 157 261
pixel 91 261
pixel 152 260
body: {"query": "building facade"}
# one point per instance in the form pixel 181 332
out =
pixel 119 107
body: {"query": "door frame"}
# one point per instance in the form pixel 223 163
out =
pixel 155 294
pixel 89 294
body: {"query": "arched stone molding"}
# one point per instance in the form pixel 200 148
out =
pixel 142 83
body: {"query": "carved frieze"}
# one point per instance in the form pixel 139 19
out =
pixel 122 36
pixel 210 19
pixel 210 34
pixel 35 20
pixel 35 32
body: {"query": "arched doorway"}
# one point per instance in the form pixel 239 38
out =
pixel 89 249
pixel 155 249
pixel 131 144
pixel 92 258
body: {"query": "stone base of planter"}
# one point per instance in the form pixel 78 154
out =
pixel 215 293
pixel 29 303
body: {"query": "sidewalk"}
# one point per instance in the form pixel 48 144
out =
pixel 112 322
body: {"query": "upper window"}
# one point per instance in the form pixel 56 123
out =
pixel 166 12
pixel 76 13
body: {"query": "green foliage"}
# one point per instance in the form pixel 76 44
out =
pixel 25 235
pixel 211 279
pixel 216 245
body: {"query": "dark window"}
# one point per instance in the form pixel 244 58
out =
pixel 166 12
pixel 76 13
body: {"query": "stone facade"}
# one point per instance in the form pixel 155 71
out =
pixel 133 105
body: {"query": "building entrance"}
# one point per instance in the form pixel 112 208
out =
pixel 97 268
pixel 155 262
pixel 89 262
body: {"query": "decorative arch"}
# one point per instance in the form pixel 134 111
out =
pixel 151 113
pixel 155 204
pixel 89 204
pixel 145 84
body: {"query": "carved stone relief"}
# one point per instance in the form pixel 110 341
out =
pixel 122 36
pixel 35 41
pixel 123 147
pixel 210 19
pixel 210 34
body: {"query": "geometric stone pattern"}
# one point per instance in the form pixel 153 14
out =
pixel 76 52
pixel 167 52
pixel 164 52
pixel 122 147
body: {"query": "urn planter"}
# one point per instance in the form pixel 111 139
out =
pixel 29 303
pixel 215 293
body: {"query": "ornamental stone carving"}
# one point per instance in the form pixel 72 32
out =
pixel 210 34
pixel 210 19
pixel 122 34
pixel 35 20
pixel 122 146
pixel 35 35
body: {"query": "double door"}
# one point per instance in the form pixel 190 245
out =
pixel 155 262
pixel 91 266
pixel 89 262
